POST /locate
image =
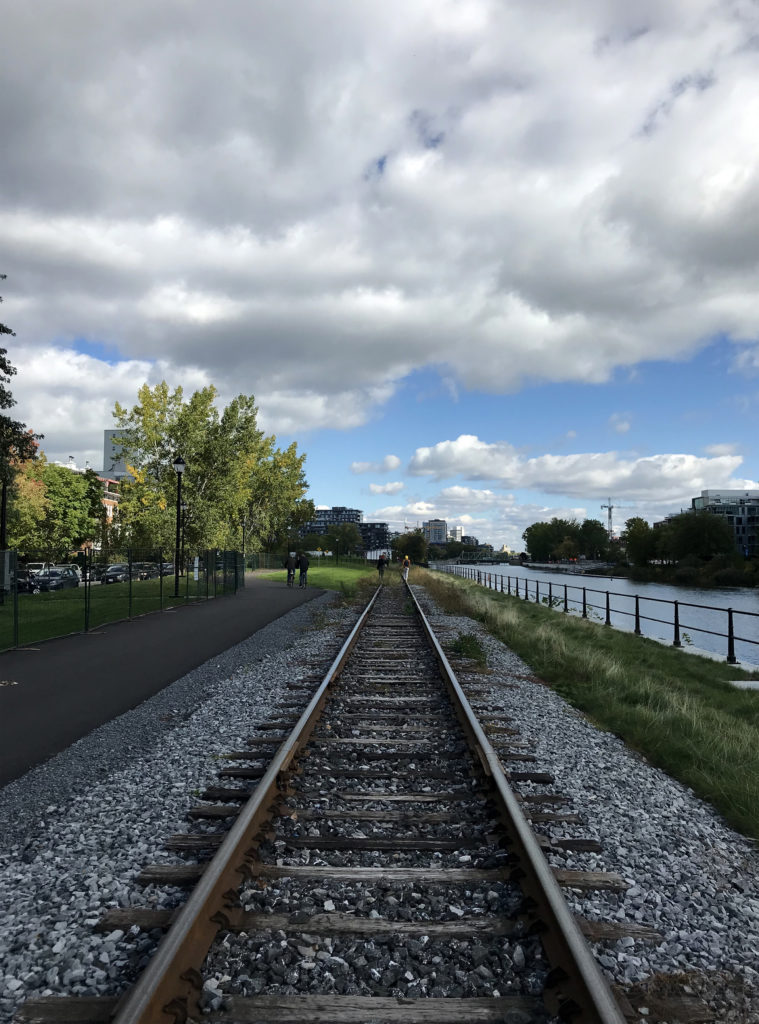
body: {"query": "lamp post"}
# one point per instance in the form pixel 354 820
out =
pixel 179 468
pixel 184 517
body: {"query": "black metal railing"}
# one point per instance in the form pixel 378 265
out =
pixel 591 602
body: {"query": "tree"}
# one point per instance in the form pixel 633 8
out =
pixel 67 521
pixel 412 544
pixel 17 443
pixel 544 540
pixel 702 535
pixel 275 507
pixel 639 540
pixel 344 538
pixel 235 476
pixel 594 539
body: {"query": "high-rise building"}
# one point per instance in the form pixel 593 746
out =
pixel 435 531
pixel 456 533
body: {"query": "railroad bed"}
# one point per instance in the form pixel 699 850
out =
pixel 388 872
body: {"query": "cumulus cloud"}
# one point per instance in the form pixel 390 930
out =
pixel 389 463
pixel 392 488
pixel 428 179
pixel 667 477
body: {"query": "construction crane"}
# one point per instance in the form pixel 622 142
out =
pixel 611 508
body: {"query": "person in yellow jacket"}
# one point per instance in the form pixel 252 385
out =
pixel 405 566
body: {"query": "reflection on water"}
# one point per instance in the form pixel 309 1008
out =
pixel 702 612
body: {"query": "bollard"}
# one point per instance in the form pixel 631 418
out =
pixel 731 659
pixel 676 641
pixel 608 611
pixel 637 615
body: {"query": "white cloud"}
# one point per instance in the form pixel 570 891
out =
pixel 620 422
pixel 720 449
pixel 392 488
pixel 389 463
pixel 670 477
pixel 432 181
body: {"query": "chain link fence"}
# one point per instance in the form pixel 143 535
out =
pixel 41 598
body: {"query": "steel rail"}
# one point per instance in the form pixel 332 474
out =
pixel 173 977
pixel 580 987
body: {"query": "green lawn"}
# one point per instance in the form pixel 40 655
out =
pixel 345 579
pixel 44 616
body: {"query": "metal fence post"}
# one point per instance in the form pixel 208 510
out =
pixel 550 595
pixel 160 578
pixel 508 579
pixel 566 603
pixel 637 615
pixel 584 605
pixel 87 584
pixel 676 641
pixel 517 583
pixel 129 562
pixel 608 610
pixel 731 659
pixel 537 592
pixel 15 598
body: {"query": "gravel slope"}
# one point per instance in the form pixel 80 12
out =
pixel 75 830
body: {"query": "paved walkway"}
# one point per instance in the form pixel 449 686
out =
pixel 66 688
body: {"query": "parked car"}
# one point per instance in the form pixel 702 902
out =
pixel 166 569
pixel 57 578
pixel 25 581
pixel 116 573
pixel 38 566
pixel 94 572
pixel 73 565
pixel 146 570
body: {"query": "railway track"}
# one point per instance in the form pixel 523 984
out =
pixel 368 862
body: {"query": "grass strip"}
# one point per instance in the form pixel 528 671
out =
pixel 676 708
pixel 345 579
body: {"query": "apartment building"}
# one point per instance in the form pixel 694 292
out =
pixel 741 511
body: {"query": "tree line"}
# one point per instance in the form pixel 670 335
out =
pixel 693 547
pixel 238 487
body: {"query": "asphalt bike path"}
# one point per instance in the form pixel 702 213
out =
pixel 56 692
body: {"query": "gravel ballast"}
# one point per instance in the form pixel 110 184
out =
pixel 76 830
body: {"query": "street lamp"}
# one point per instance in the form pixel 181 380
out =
pixel 179 468
pixel 184 518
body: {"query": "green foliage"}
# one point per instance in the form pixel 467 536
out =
pixel 698 534
pixel 467 645
pixel 343 539
pixel 412 544
pixel 566 538
pixel 639 540
pixel 235 475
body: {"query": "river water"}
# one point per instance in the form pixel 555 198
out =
pixel 702 613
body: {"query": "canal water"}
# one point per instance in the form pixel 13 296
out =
pixel 702 613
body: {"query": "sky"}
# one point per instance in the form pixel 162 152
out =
pixel 487 262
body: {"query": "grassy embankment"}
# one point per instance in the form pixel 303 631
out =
pixel 675 708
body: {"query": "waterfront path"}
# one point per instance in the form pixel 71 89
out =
pixel 58 691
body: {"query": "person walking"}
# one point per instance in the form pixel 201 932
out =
pixel 289 564
pixel 405 566
pixel 381 565
pixel 303 566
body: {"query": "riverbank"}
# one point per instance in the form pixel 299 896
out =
pixel 681 711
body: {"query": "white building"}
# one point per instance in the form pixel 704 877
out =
pixel 435 531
